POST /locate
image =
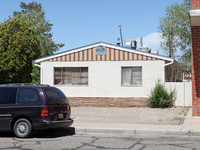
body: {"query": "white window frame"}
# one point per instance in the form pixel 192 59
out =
pixel 131 85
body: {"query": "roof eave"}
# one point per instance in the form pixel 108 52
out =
pixel 195 17
pixel 38 61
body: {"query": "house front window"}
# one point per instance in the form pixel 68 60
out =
pixel 131 76
pixel 71 76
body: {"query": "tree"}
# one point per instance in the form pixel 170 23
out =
pixel 175 30
pixel 34 16
pixel 19 45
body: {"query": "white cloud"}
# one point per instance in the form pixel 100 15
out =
pixel 152 41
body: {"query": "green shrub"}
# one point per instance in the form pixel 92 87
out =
pixel 160 98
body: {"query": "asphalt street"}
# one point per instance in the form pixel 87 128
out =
pixel 66 139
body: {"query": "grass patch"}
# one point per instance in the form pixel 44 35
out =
pixel 181 116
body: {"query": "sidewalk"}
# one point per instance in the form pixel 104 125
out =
pixel 135 121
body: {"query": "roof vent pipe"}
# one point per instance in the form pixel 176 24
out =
pixel 120 33
pixel 141 42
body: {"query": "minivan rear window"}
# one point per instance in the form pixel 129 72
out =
pixel 54 95
pixel 7 95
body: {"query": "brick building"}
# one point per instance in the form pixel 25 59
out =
pixel 195 29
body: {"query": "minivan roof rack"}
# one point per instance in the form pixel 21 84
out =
pixel 24 84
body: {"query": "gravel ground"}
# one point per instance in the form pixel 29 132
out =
pixel 113 115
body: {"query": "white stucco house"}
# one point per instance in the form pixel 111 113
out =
pixel 103 74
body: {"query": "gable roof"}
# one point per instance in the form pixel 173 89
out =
pixel 124 49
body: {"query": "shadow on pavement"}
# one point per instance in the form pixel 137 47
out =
pixel 54 133
pixel 6 134
pixel 50 133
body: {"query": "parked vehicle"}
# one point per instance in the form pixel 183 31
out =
pixel 27 107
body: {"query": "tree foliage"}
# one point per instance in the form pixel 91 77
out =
pixel 34 16
pixel 19 45
pixel 175 29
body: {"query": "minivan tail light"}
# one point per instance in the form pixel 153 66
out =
pixel 44 112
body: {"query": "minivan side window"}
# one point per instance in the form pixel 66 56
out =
pixel 7 95
pixel 27 95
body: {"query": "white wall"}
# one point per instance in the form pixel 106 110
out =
pixel 105 78
pixel 183 92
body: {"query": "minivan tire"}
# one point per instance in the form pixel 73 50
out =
pixel 22 128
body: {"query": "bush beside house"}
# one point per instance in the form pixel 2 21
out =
pixel 160 98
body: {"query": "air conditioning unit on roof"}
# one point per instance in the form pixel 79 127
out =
pixel 130 44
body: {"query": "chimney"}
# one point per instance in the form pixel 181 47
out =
pixel 144 48
pixel 118 41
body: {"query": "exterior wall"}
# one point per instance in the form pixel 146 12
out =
pixel 195 4
pixel 196 70
pixel 110 55
pixel 104 78
pixel 108 101
pixel 183 92
pixel 195 31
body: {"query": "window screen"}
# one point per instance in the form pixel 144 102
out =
pixel 7 95
pixel 71 76
pixel 131 76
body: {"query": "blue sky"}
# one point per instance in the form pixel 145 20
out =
pixel 81 22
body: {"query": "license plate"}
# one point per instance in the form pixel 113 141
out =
pixel 60 116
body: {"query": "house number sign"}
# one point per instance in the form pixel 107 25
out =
pixel 100 50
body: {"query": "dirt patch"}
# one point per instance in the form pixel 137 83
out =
pixel 157 116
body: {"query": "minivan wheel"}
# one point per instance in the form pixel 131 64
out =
pixel 22 128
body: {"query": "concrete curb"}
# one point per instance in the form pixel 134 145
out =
pixel 134 132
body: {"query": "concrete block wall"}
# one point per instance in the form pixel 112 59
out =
pixel 183 92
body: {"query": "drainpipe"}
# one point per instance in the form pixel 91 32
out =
pixel 41 72
pixel 167 65
pixel 37 65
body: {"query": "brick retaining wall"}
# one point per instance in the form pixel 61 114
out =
pixel 195 4
pixel 108 101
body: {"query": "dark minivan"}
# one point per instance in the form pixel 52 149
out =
pixel 27 107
